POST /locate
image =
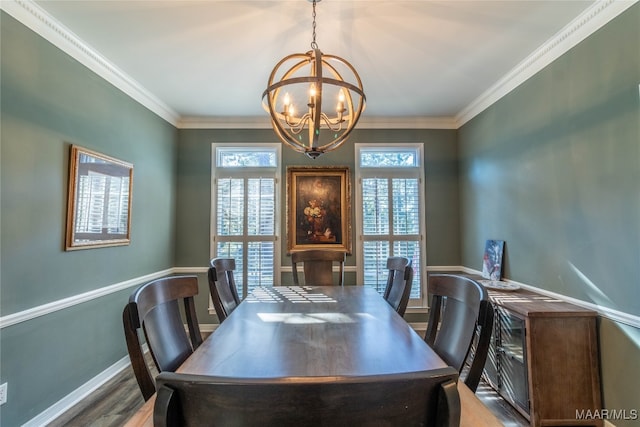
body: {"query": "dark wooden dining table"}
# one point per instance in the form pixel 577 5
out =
pixel 317 331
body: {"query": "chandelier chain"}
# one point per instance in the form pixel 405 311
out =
pixel 314 45
pixel 305 76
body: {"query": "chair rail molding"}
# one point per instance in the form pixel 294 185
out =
pixel 606 312
pixel 61 304
pixel 42 310
pixel 87 388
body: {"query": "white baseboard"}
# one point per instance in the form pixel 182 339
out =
pixel 208 327
pixel 89 387
pixel 75 397
pixel 69 401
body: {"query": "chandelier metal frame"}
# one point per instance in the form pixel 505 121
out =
pixel 325 72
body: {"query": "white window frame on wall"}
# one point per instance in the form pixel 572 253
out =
pixel 245 172
pixel 415 171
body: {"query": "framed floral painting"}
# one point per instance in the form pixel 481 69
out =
pixel 318 208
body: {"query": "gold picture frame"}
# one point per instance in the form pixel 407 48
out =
pixel 318 208
pixel 99 200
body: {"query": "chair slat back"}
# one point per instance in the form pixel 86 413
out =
pixel 222 286
pixel 318 267
pixel 399 283
pixel 153 309
pixel 166 337
pixel 460 309
pixel 412 399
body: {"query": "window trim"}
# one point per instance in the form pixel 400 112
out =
pixel 415 148
pixel 418 172
pixel 247 172
pixel 230 147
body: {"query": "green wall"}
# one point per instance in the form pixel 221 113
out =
pixel 194 186
pixel 554 170
pixel 194 193
pixel 50 101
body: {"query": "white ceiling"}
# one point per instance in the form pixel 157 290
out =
pixel 417 59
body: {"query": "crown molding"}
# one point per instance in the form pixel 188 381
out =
pixel 407 123
pixel 41 22
pixel 253 122
pixel 263 122
pixel 592 19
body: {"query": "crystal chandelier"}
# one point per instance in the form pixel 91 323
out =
pixel 294 97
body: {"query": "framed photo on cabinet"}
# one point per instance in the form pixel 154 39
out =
pixel 492 259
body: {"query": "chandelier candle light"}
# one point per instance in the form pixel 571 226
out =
pixel 307 79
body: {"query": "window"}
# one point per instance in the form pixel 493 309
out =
pixel 102 207
pixel 390 192
pixel 245 205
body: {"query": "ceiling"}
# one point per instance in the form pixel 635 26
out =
pixel 417 59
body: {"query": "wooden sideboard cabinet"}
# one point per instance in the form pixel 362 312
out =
pixel 544 358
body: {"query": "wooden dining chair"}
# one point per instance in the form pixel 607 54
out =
pixel 154 309
pixel 424 398
pixel 460 310
pixel 318 266
pixel 222 286
pixel 399 283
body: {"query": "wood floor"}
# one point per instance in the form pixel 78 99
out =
pixel 503 410
pixel 111 405
pixel 118 399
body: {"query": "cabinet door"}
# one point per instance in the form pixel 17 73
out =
pixel 491 365
pixel 511 359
